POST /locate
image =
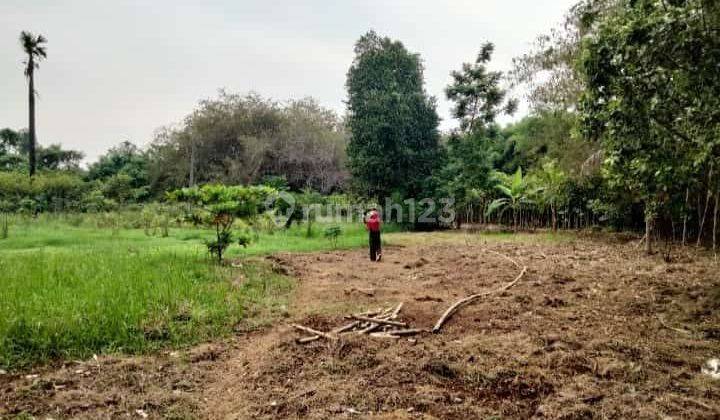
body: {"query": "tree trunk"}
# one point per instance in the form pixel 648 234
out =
pixel 685 216
pixel 707 203
pixel 192 162
pixel 31 116
pixel 554 219
pixel 648 233
pixel 715 218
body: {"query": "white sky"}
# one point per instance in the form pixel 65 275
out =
pixel 118 70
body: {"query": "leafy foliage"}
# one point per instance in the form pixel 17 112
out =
pixel 477 93
pixel 220 206
pixel 333 233
pixel 236 139
pixel 393 122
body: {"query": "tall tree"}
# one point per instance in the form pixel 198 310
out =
pixel 393 122
pixel 477 93
pixel 479 98
pixel 652 97
pixel 32 46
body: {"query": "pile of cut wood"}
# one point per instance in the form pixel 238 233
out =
pixel 381 323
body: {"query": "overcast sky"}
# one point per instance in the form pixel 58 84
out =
pixel 118 70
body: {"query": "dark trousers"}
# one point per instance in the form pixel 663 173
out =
pixel 375 247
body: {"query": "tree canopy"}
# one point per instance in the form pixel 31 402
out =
pixel 393 122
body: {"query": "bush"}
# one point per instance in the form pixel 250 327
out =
pixel 48 191
pixel 332 233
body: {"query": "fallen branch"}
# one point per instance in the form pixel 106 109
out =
pixel 637 245
pixel 379 321
pixel 368 313
pixel 384 335
pixel 346 327
pixel 307 339
pixel 315 332
pixel 396 312
pixel 409 331
pixel 462 302
pixel 680 330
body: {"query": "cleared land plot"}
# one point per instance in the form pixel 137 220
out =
pixel 594 330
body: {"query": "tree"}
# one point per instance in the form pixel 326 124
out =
pixel 393 123
pixel 54 157
pixel 15 150
pixel 549 69
pixel 516 194
pixel 32 46
pixel 653 98
pixel 477 93
pixel 551 182
pixel 125 158
pixel 10 143
pixel 478 99
pixel 245 138
pixel 220 206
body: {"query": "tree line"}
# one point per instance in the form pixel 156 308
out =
pixel 623 131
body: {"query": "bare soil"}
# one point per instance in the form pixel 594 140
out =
pixel 593 330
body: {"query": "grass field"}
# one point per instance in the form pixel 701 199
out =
pixel 71 289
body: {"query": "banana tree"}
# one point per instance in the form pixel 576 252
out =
pixel 516 195
pixel 552 182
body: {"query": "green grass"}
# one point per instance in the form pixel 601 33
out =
pixel 71 289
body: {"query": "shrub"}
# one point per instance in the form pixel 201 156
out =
pixel 220 205
pixel 332 233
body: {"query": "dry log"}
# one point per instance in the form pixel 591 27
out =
pixel 315 332
pixel 462 302
pixel 380 321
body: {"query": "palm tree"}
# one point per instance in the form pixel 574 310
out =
pixel 515 190
pixel 34 48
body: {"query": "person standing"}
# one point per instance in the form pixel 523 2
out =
pixel 372 224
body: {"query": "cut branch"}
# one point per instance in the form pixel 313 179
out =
pixel 315 332
pixel 380 321
pixel 462 302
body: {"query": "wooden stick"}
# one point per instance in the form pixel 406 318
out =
pixel 409 331
pixel 384 335
pixel 346 327
pixel 462 302
pixel 396 311
pixel 680 330
pixel 369 328
pixel 367 313
pixel 307 339
pixel 380 321
pixel 315 332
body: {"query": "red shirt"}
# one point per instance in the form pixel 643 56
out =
pixel 373 222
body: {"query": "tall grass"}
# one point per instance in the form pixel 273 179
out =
pixel 70 288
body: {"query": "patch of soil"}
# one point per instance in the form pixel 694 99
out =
pixel 580 336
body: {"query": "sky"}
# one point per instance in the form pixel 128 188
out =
pixel 119 70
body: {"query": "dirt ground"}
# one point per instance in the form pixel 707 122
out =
pixel 593 330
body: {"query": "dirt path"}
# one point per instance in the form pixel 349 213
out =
pixel 579 337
